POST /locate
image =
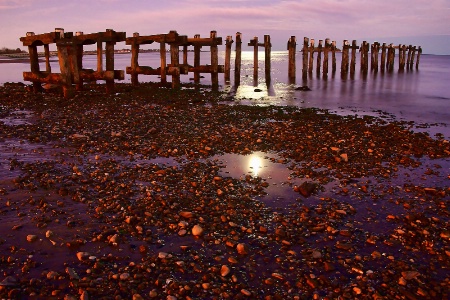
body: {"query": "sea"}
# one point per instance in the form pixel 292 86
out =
pixel 421 95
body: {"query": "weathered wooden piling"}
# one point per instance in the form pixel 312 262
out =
pixel 267 58
pixel 214 59
pixel 344 62
pixel 354 47
pixel 305 57
pixel 291 47
pixel 228 44
pixel 319 56
pixel 375 48
pixel 311 56
pixel 364 56
pixel 333 57
pixel 134 60
pixel 163 62
pixel 419 52
pixel 255 45
pixel 412 57
pixel 391 58
pixel 408 61
pixel 237 60
pixel 325 56
pixel 65 79
pixel 401 57
pixel 383 57
pixel 197 49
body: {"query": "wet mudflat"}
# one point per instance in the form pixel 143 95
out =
pixel 151 193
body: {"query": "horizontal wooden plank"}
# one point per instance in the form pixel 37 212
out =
pixel 43 77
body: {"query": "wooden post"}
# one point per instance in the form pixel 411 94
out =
pixel 75 63
pixel 197 52
pixel 383 57
pixel 237 60
pixel 163 66
pixel 34 65
pixel 391 56
pixel 408 62
pixel 412 56
pixel 401 57
pixel 353 59
pixel 134 60
pixel 228 44
pixel 311 56
pixel 291 47
pixel 364 56
pixel 267 57
pixel 305 57
pixel 344 63
pixel 185 54
pixel 333 57
pixel 255 59
pixel 175 62
pixel 99 57
pixel 214 62
pixel 419 52
pixel 79 62
pixel 325 57
pixel 109 52
pixel 374 53
pixel 47 58
pixel 319 56
pixel 66 80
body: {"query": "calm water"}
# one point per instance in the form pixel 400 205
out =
pixel 421 95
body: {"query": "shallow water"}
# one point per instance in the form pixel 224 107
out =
pixel 419 95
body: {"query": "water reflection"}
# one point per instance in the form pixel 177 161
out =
pixel 255 163
pixel 279 190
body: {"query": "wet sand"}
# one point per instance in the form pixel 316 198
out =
pixel 153 193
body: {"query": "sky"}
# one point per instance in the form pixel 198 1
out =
pixel 417 22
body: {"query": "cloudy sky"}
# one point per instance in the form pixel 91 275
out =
pixel 417 22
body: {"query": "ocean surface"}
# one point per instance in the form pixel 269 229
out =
pixel 421 95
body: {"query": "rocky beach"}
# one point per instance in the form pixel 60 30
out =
pixel 127 196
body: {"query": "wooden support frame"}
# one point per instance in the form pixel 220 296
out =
pixel 214 69
pixel 174 68
pixel 32 41
pixel 267 58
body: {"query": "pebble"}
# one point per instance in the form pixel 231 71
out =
pixel 224 270
pixel 197 230
pixel 32 238
pixel 242 248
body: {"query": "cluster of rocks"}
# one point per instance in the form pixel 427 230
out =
pixel 118 197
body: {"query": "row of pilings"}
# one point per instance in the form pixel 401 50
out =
pixel 384 62
pixel 72 74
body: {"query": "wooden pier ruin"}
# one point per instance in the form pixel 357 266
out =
pixel 70 55
pixel 72 74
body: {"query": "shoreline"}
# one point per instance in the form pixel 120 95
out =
pixel 136 194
